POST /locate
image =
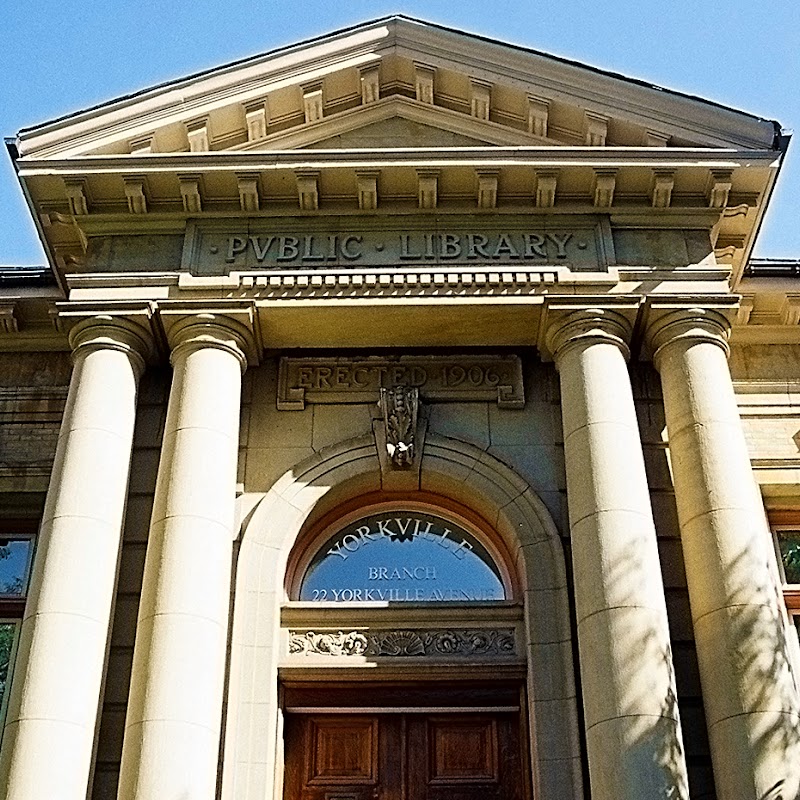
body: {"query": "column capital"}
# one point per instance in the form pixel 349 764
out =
pixel 125 328
pixel 568 326
pixel 672 323
pixel 228 329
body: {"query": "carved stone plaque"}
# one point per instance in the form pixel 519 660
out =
pixel 438 378
pixel 217 248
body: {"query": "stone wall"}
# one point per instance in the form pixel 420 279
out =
pixel 529 440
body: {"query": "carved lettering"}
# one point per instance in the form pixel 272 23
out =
pixel 288 248
pixel 259 249
pixel 445 378
pixel 349 251
pixel 386 247
pixel 308 250
pixel 236 245
pixel 560 241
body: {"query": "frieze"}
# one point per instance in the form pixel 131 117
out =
pixel 467 643
pixel 351 243
pixel 491 378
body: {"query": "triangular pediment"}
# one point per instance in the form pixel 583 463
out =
pixel 398 131
pixel 397 122
pixel 294 96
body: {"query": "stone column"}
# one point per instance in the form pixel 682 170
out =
pixel 55 694
pixel 172 730
pixel 633 731
pixel 749 693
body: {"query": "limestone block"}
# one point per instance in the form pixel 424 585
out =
pixel 137 517
pixel 687 676
pixel 529 559
pixel 711 468
pixel 208 452
pixel 170 541
pixel 60 779
pixel 657 467
pixel 74 495
pixel 542 466
pixel 53 588
pixel 173 644
pixel 622 681
pixel 770 759
pixel 466 421
pixel 644 768
pixel 58 697
pixel 695 731
pixel 109 746
pixel 618 543
pixel 727 547
pixel 679 615
pixel 609 398
pixel 548 679
pixel 550 778
pixel 665 514
pixel 604 480
pixel 536 424
pixel 746 672
pixel 486 484
pixel 333 424
pixel 548 617
pixel 270 427
pixel 144 469
pixel 118 678
pixel 558 719
pixel 771 361
pixel 670 555
pixel 200 750
pixel 131 567
pixel 126 610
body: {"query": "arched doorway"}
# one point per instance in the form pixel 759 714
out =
pixel 285 648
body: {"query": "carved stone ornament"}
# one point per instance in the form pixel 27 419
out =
pixel 405 643
pixel 400 406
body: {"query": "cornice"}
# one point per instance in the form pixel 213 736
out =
pixel 493 156
pixel 597 91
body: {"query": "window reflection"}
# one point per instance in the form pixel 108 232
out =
pixel 15 559
pixel 402 556
pixel 789 545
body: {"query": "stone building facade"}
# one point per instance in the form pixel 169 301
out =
pixel 400 414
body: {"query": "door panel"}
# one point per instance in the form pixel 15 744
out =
pixel 396 756
pixel 343 751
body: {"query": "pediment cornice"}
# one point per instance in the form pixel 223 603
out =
pixel 399 107
pixel 633 112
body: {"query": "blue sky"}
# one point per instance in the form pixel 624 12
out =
pixel 58 57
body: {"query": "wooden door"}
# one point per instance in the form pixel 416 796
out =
pixel 404 756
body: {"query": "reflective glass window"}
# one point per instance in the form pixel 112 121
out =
pixel 789 546
pixel 15 562
pixel 402 556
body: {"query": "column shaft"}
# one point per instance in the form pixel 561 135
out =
pixel 632 725
pixel 749 691
pixel 172 735
pixel 55 694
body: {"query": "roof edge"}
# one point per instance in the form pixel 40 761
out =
pixel 176 83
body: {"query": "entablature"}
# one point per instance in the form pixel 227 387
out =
pixel 79 200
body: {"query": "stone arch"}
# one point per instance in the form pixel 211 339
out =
pixel 450 468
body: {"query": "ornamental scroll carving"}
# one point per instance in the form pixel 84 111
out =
pixel 405 643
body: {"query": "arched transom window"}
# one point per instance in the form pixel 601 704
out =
pixel 402 555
